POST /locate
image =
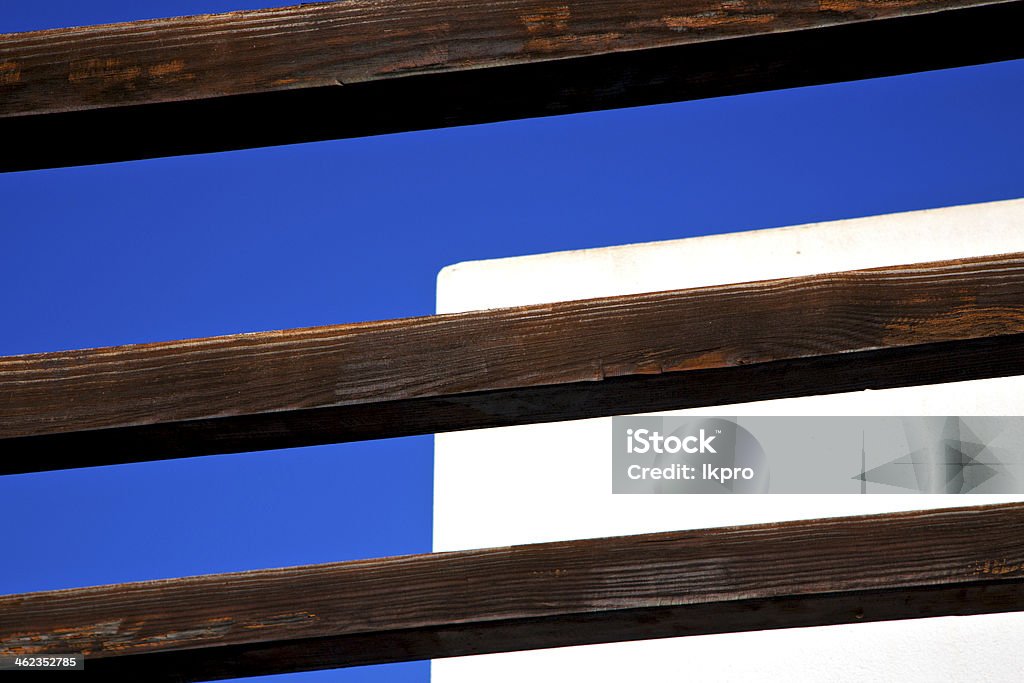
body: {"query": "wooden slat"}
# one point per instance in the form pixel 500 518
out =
pixel 884 327
pixel 833 571
pixel 360 67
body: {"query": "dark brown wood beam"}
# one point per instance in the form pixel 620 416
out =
pixel 886 327
pixel 832 571
pixel 354 68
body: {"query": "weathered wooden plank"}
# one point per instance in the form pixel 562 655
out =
pixel 884 327
pixel 360 67
pixel 832 571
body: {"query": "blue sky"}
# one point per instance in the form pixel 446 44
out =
pixel 357 230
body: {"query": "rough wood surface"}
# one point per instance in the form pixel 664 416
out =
pixel 897 326
pixel 831 571
pixel 317 71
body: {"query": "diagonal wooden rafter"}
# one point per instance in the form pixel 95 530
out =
pixel 884 327
pixel 833 571
pixel 361 67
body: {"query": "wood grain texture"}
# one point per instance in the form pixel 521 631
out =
pixel 831 571
pixel 884 327
pixel 319 71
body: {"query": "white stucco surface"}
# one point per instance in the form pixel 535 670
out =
pixel 552 482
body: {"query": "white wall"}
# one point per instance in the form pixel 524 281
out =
pixel 487 491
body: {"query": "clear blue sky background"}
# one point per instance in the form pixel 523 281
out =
pixel 357 230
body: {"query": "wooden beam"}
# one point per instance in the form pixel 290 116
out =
pixel 361 67
pixel 831 571
pixel 886 327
